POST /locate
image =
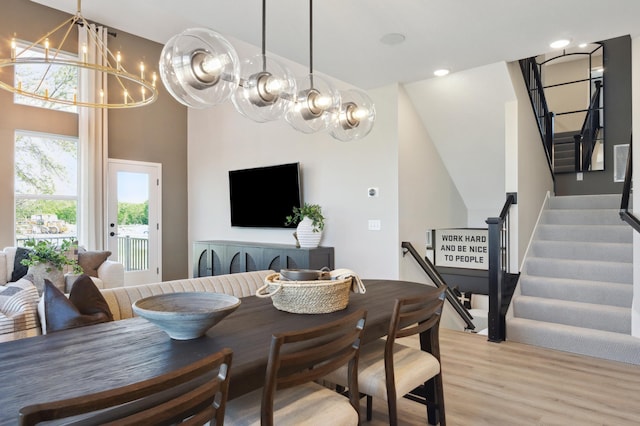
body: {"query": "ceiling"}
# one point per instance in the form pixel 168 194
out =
pixel 453 34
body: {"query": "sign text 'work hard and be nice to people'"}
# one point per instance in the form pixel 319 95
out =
pixel 462 248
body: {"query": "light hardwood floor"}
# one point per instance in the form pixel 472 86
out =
pixel 510 383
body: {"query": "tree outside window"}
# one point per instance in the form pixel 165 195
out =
pixel 46 186
pixel 60 81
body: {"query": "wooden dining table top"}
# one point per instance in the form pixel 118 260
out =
pixel 90 359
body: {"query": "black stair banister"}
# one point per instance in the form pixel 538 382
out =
pixel 544 117
pixel 590 128
pixel 437 279
pixel 500 291
pixel 625 214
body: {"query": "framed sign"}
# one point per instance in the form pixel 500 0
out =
pixel 462 248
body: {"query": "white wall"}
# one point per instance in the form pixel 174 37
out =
pixel 335 175
pixel 464 114
pixel 531 178
pixel 428 198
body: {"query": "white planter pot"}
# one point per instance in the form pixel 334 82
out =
pixel 306 237
pixel 39 273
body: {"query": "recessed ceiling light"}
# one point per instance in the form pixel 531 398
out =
pixel 582 45
pixel 559 44
pixel 392 39
pixel 441 72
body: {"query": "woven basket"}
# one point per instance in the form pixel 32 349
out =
pixel 306 297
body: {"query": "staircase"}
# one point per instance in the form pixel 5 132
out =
pixel 564 153
pixel 576 286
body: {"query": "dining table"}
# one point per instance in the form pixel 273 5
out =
pixel 99 357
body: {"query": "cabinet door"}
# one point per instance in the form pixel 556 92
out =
pixel 321 257
pixel 271 259
pixel 201 260
pixel 217 256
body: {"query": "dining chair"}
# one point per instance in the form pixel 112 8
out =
pixel 390 370
pixel 192 395
pixel 297 359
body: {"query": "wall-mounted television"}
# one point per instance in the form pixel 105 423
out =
pixel 264 196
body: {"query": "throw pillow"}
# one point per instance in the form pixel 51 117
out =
pixel 18 305
pixel 60 313
pixel 20 270
pixel 87 298
pixel 90 261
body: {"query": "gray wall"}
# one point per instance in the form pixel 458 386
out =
pixel 617 121
pixel 156 133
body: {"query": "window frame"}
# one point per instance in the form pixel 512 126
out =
pixel 53 197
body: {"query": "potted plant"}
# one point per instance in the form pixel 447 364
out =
pixel 47 260
pixel 310 221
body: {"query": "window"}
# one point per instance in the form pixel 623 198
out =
pixel 60 80
pixel 46 186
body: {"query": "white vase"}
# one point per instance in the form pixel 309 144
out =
pixel 306 237
pixel 39 272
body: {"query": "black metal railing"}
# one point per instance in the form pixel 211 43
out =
pixel 133 253
pixel 586 140
pixel 499 266
pixel 544 117
pixel 625 214
pixel 437 279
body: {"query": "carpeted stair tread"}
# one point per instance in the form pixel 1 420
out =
pixel 585 233
pixel 582 217
pixel 618 272
pixel 606 293
pixel 596 343
pixel 604 201
pixel 588 315
pixel 617 252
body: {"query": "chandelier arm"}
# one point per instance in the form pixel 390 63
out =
pixel 44 37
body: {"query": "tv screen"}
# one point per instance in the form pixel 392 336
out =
pixel 264 196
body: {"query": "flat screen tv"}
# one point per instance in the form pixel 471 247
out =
pixel 264 196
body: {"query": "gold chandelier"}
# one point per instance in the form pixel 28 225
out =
pixel 136 89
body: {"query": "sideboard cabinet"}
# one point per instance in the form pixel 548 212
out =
pixel 230 257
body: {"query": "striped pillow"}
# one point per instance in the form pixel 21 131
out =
pixel 18 306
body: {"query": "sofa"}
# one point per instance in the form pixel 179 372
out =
pixel 120 300
pixel 108 274
pixel 19 298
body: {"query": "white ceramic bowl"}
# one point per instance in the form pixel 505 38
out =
pixel 188 315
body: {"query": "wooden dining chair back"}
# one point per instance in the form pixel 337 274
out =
pixel 193 395
pixel 405 368
pixel 416 315
pixel 297 359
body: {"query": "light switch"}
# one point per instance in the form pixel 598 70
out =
pixel 374 224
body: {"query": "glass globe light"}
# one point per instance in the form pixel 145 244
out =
pixel 355 118
pixel 266 88
pixel 199 67
pixel 315 103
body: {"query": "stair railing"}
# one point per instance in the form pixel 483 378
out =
pixel 544 118
pixel 625 214
pixel 586 140
pixel 499 266
pixel 437 279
